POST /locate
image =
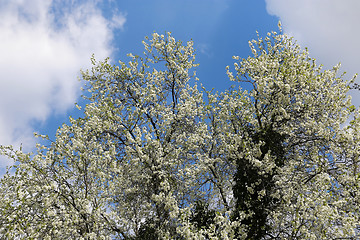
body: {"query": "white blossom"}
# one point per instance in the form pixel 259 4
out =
pixel 154 157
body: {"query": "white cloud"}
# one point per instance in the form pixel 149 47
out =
pixel 43 46
pixel 205 49
pixel 329 28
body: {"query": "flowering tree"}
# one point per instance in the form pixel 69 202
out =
pixel 154 157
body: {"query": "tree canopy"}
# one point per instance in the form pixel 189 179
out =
pixel 156 156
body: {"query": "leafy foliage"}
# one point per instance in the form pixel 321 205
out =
pixel 154 157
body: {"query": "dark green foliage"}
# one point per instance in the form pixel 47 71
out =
pixel 147 231
pixel 202 216
pixel 248 175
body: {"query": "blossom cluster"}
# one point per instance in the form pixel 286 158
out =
pixel 155 156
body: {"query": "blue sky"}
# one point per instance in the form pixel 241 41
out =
pixel 44 44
